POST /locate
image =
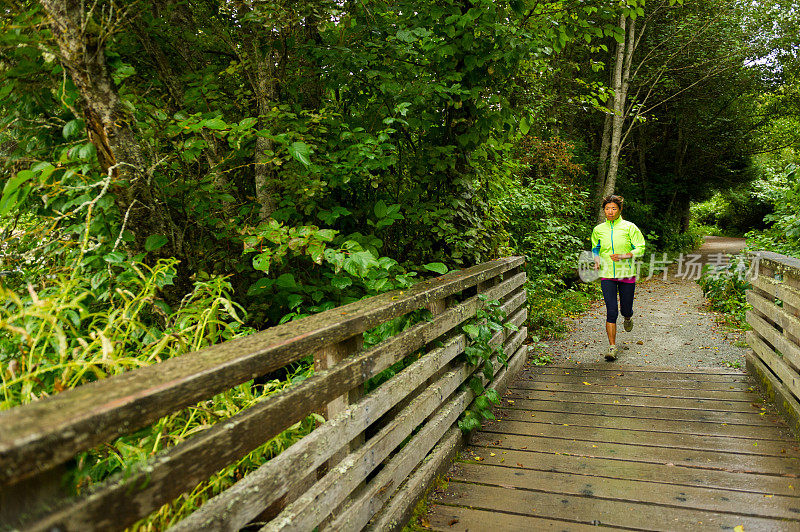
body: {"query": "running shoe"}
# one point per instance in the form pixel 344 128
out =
pixel 612 353
pixel 628 324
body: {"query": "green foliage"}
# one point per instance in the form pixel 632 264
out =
pixel 550 303
pixel 783 234
pixel 725 290
pixel 548 218
pixel 734 211
pixel 481 355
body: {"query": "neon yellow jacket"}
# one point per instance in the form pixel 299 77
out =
pixel 619 236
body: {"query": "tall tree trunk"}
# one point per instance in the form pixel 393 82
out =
pixel 81 45
pixel 264 88
pixel 605 144
pixel 623 68
pixel 612 129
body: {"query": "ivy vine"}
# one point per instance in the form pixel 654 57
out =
pixel 480 353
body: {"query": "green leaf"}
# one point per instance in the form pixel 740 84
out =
pixel 301 152
pixel 154 242
pixel 436 267
pixel 262 261
pixel 471 329
pixel 114 257
pixel 14 183
pixel 72 128
pixel 260 286
pixel 286 281
pixel 476 385
pixel 381 209
pixel 493 396
pixel 524 126
pixel 294 300
pixel 341 282
pixel 11 195
pixel 86 151
pixel 247 123
pixel 215 123
pixel 488 370
pixel 326 235
pixel 487 414
pixel 8 202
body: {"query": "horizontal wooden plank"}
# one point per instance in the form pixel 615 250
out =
pixel 633 381
pixel 698 458
pixel 319 501
pixel 634 391
pixel 615 371
pixel 787 374
pixel 461 519
pixel 778 290
pixel 744 445
pixel 642 412
pixel 774 312
pixel 396 512
pixel 44 434
pixel 601 368
pixel 714 500
pixel 661 426
pixel 736 502
pixel 591 510
pixel 246 499
pixel 651 472
pixel 638 400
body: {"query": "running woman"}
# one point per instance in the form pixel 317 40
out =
pixel 616 243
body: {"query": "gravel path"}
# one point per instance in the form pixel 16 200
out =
pixel 672 326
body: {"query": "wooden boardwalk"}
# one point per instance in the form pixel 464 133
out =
pixel 628 448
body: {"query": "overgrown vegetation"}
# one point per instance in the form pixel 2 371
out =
pixel 725 290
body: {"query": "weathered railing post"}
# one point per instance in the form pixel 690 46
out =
pixel 326 358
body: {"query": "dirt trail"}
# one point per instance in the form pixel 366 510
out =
pixel 672 327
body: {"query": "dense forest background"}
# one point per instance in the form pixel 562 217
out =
pixel 181 172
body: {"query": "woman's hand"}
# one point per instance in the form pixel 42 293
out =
pixel 597 263
pixel 619 256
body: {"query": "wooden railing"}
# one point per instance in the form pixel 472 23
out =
pixel 336 478
pixel 775 338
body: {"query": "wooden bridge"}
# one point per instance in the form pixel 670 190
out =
pixel 617 446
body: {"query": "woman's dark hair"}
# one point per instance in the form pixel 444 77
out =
pixel 619 200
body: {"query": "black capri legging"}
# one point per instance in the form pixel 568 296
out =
pixel 610 289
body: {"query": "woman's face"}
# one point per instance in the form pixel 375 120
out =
pixel 612 211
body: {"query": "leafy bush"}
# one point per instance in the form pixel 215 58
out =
pixel 725 289
pixel 783 234
pixel 550 302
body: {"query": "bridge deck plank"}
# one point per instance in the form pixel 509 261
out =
pixel 641 450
